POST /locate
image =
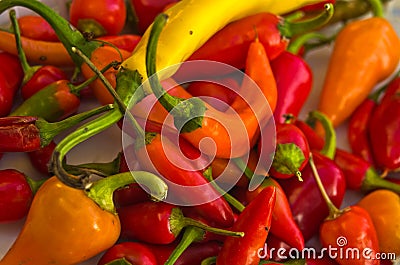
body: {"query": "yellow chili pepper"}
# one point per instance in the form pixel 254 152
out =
pixel 384 209
pixel 192 22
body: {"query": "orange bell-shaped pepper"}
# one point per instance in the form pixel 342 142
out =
pixel 384 208
pixel 365 52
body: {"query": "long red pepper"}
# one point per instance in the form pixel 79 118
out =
pixel 231 43
pixel 190 186
pixel 294 81
pixel 361 175
pixel 158 222
pixel 255 221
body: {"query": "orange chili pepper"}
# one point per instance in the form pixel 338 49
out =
pixel 232 141
pixel 365 52
pixel 67 226
pixel 37 51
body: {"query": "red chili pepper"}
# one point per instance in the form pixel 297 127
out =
pixel 255 222
pixel 11 76
pixel 294 81
pixel 125 42
pixel 27 133
pixel 12 69
pixel 37 77
pixel 98 17
pixel 157 222
pixel 36 28
pixel 291 154
pixel 230 44
pixel 384 130
pixel 146 11
pixel 318 6
pixel 308 207
pixel 321 261
pixel 194 254
pixel 40 158
pixel 16 194
pixel 153 157
pixel 283 225
pixel 214 93
pixel 315 141
pixel 349 229
pixel 361 175
pixel 133 252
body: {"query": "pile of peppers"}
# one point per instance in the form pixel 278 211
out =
pixel 217 164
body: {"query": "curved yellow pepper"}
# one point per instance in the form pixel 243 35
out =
pixel 192 22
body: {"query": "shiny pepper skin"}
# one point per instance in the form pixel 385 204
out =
pixel 63 227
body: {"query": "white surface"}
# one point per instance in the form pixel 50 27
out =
pixel 92 151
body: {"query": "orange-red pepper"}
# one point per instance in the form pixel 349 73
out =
pixel 365 52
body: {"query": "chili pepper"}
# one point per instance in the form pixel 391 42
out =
pixel 230 44
pixel 293 88
pixel 353 71
pixel 37 77
pixel 158 222
pixel 307 204
pixel 87 217
pixel 36 28
pixel 125 42
pixel 146 11
pixel 315 141
pixel 16 192
pixel 358 130
pixel 204 124
pixel 133 252
pixel 40 158
pixel 272 244
pixel 384 129
pixel 203 30
pixel 283 225
pixel 218 96
pixel 153 157
pixel 98 17
pixel 353 224
pixel 194 254
pixel 12 69
pixel 255 222
pixel 27 133
pixel 385 217
pixel 6 95
pixel 291 153
pixel 361 175
pixel 316 7
pixel 321 261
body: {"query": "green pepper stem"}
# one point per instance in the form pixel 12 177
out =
pixel 373 181
pixel 190 235
pixel 81 134
pixel 209 261
pixel 290 28
pixel 333 210
pixel 102 190
pixel 188 113
pixel 122 104
pixel 302 41
pixel 48 130
pixel 329 148
pixel 67 34
pixel 106 169
pixel 28 70
pixel 34 184
pixel 377 8
pixel 229 198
